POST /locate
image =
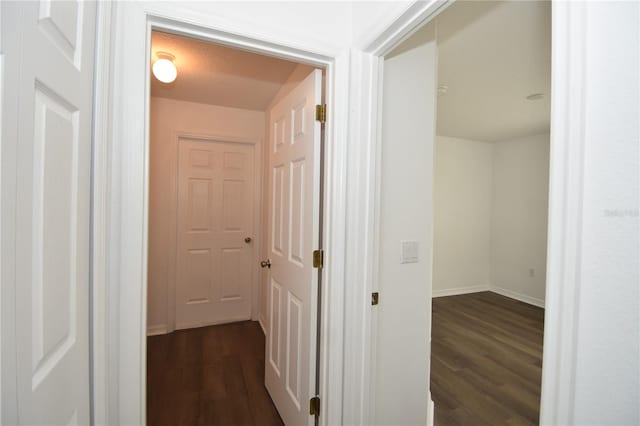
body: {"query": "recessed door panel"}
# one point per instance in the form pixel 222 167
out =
pixel 275 325
pixel 277 206
pixel 296 212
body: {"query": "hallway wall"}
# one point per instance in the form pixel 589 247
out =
pixel 168 119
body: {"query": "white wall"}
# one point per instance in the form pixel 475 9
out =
pixel 170 118
pixel 519 218
pixel 462 194
pixel 607 369
pixel 490 217
pixel 404 313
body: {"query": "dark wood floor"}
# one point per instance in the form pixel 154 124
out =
pixel 486 360
pixel 209 376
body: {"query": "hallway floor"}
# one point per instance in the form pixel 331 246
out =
pixel 209 376
pixel 486 360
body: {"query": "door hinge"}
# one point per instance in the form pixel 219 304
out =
pixel 314 406
pixel 321 113
pixel 318 258
pixel 374 298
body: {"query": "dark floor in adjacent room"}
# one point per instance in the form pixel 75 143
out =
pixel 486 360
pixel 209 376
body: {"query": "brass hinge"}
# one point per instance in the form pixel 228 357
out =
pixel 321 113
pixel 314 406
pixel 374 298
pixel 318 258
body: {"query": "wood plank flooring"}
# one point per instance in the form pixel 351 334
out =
pixel 486 360
pixel 209 376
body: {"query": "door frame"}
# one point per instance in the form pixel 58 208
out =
pixel 568 74
pixel 121 178
pixel 258 212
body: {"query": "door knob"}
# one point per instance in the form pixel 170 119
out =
pixel 266 263
pixel 247 240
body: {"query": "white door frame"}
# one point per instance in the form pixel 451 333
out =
pixel 120 180
pixel 565 183
pixel 121 177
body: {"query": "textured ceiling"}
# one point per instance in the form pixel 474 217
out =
pixel 491 56
pixel 214 74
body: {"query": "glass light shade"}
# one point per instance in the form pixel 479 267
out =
pixel 165 70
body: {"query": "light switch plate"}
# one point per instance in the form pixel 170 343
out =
pixel 409 252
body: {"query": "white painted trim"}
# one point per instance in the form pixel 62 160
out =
pixel 566 183
pixel 361 249
pixel 430 411
pixel 156 330
pixel 1 117
pixel 129 190
pixel 264 330
pixel 517 296
pixel 460 290
pixel 100 193
pixel 415 17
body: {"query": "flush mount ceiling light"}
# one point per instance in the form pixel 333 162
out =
pixel 535 96
pixel 163 68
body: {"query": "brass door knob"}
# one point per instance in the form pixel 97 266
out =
pixel 266 263
pixel 247 240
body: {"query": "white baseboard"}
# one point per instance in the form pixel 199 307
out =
pixel 460 290
pixel 518 296
pixel 261 322
pixel 155 330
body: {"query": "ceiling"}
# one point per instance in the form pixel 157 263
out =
pixel 492 55
pixel 214 74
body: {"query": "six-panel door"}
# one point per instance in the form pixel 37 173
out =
pixel 50 46
pixel 293 228
pixel 215 216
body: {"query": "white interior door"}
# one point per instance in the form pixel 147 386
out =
pixel 49 47
pixel 293 220
pixel 215 232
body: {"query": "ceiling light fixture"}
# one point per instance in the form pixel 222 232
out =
pixel 535 96
pixel 442 89
pixel 163 68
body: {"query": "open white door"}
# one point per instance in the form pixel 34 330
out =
pixel 49 48
pixel 293 227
